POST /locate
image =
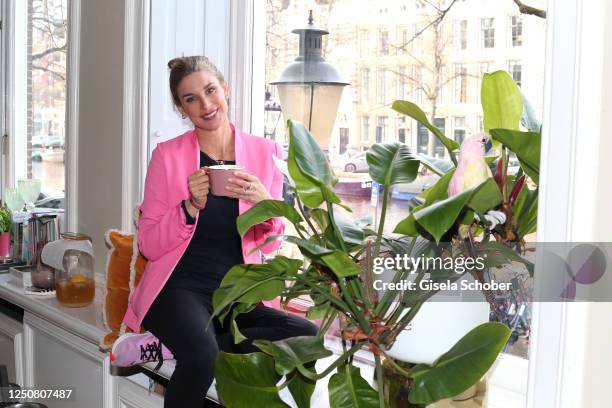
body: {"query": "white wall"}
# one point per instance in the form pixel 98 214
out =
pixel 100 121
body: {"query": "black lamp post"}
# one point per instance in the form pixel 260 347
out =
pixel 310 88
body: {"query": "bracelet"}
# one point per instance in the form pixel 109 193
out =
pixel 195 205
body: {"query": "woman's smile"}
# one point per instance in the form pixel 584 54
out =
pixel 210 115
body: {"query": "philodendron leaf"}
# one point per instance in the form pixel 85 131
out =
pixel 264 210
pixel 460 367
pixel 526 146
pixel 341 264
pixel 293 351
pixel 502 103
pixel 348 389
pixel 301 389
pixel 497 254
pixel 247 380
pixel 313 177
pixel 440 216
pixel 391 163
pixel 252 283
pixel 438 191
pixel 412 110
pixel 438 166
pixel 485 197
pixel 529 120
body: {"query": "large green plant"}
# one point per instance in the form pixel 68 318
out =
pixel 337 270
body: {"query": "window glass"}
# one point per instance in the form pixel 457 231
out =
pixel 384 57
pixel 45 70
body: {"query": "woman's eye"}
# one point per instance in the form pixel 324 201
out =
pixel 210 90
pixel 189 99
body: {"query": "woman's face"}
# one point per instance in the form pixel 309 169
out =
pixel 203 100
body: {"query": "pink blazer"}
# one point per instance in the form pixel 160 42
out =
pixel 163 234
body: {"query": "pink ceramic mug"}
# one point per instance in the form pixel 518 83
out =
pixel 219 175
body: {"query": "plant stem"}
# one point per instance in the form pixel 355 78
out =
pixel 397 367
pixel 339 361
pixel 379 381
pixel 356 312
pixel 383 305
pixel 332 220
pixel 307 218
pixel 381 225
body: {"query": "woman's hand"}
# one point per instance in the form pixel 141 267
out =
pixel 247 187
pixel 199 186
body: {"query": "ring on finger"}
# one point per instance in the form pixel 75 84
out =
pixel 247 188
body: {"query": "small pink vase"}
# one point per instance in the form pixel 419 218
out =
pixel 5 244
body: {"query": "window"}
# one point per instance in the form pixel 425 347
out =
pixel 402 41
pixel 383 42
pixel 423 136
pixel 381 84
pixel 459 131
pixel 41 105
pixel 364 42
pixel 365 85
pixel 365 128
pixel 516 28
pixel 460 83
pixel 488 32
pixel 417 42
pixel 381 129
pixel 401 129
pixel 461 34
pixel 440 86
pixel 514 68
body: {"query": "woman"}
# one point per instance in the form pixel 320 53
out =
pixel 190 238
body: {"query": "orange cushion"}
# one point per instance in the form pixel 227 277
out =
pixel 124 268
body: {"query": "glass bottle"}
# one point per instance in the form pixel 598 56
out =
pixel 74 284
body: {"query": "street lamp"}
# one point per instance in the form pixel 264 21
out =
pixel 310 88
pixel 272 114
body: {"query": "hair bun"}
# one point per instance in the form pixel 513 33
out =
pixel 174 62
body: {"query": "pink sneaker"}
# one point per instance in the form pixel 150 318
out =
pixel 134 348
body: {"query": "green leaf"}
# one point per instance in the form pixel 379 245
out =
pixel 438 191
pixel 318 311
pixel 525 212
pixel 529 120
pixel 526 146
pixel 313 177
pixel 234 329
pixel 348 389
pixel 460 367
pixel 292 352
pixel 438 166
pixel 321 217
pixel 391 163
pixel 301 389
pixel 440 216
pixel 247 380
pixel 341 264
pixel 496 254
pixel 408 225
pixel 502 103
pixel 264 210
pixel 485 197
pixel 412 110
pixel 253 283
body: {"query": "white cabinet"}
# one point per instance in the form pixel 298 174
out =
pixel 133 395
pixel 11 350
pixel 55 358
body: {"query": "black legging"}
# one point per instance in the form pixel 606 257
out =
pixel 178 317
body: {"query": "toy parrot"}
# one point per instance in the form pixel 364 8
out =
pixel 472 170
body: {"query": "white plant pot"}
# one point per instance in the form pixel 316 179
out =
pixel 438 325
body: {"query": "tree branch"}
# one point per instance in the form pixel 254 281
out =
pixel 48 51
pixel 525 9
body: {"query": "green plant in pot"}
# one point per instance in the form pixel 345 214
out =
pixel 5 231
pixel 337 273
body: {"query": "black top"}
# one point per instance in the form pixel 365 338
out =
pixel 215 246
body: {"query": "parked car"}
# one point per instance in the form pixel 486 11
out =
pixel 354 164
pixel 50 199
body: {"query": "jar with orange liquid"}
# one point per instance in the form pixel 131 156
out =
pixel 74 283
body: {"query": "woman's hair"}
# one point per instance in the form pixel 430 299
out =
pixel 180 67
